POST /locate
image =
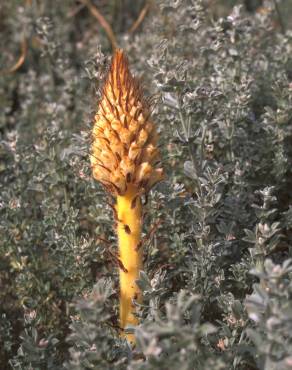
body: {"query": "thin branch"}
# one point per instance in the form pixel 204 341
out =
pixel 75 11
pixel 20 60
pixel 149 235
pixel 103 22
pixel 280 18
pixel 141 17
pixel 23 48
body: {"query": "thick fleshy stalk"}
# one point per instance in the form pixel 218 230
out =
pixel 129 213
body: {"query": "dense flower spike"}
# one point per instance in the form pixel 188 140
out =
pixel 124 143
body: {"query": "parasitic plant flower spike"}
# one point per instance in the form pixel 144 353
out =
pixel 124 157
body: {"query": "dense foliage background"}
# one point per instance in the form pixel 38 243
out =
pixel 217 281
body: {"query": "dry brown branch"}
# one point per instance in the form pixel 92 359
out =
pixel 20 60
pixel 75 11
pixel 23 48
pixel 141 17
pixel 103 22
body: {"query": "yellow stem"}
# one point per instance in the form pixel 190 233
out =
pixel 129 213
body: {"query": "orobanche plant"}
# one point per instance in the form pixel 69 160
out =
pixel 124 159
